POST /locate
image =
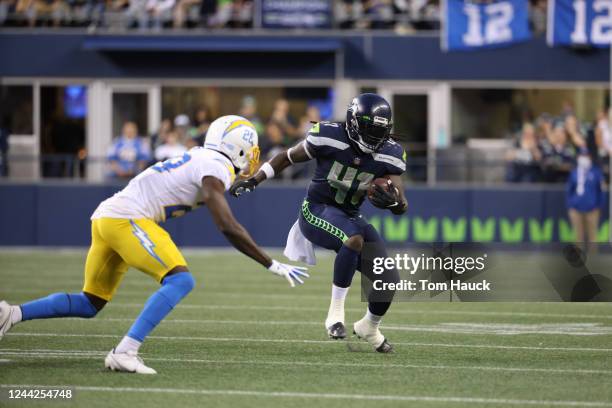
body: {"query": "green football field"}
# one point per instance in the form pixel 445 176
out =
pixel 243 338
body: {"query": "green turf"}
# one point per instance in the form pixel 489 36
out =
pixel 243 338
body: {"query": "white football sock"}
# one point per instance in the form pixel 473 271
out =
pixel 374 319
pixel 336 306
pixel 16 315
pixel 126 344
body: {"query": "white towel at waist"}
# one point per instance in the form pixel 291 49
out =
pixel 298 248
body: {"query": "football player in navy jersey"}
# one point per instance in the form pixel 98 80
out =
pixel 349 155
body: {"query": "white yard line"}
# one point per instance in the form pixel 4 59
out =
pixel 307 341
pixel 319 395
pixel 47 353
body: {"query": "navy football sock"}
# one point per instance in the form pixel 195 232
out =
pixel 174 289
pixel 345 266
pixel 59 305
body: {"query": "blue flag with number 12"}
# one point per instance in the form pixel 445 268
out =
pixel 580 22
pixel 472 25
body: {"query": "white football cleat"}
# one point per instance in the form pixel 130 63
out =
pixel 6 321
pixel 128 362
pixel 368 331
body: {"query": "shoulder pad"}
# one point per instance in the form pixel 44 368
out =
pixel 327 134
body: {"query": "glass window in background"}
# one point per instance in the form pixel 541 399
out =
pixel 16 107
pixel 63 110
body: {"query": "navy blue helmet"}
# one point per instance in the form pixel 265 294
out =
pixel 368 121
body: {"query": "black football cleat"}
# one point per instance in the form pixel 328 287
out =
pixel 337 331
pixel 385 347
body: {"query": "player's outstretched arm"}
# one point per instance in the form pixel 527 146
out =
pixel 393 200
pixel 269 169
pixel 214 198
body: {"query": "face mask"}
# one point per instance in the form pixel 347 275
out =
pixel 584 162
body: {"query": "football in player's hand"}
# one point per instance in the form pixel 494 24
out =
pixel 383 182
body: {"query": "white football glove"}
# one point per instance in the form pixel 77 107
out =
pixel 293 274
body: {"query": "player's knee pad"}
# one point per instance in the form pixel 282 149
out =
pixel 175 287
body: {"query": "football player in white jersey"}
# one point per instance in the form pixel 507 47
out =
pixel 125 232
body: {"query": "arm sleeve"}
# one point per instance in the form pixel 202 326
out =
pixel 215 168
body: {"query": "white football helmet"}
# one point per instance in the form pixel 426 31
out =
pixel 235 137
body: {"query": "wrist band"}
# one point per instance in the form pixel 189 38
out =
pixel 268 170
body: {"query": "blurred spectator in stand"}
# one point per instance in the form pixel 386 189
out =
pixel 524 159
pixel 584 200
pixel 5 129
pixel 56 10
pixel 222 15
pixel 425 14
pixel 378 14
pixel 208 8
pixel 87 12
pixel 558 155
pixel 6 7
pixel 303 170
pixel 159 137
pixel 198 132
pixel 603 134
pixel 129 154
pixel 574 133
pixel 567 108
pixel 538 15
pixel 287 123
pixel 242 13
pixel 346 12
pixel 306 122
pixel 273 142
pixel 149 13
pixel 248 110
pixel 182 10
pixel 171 148
pixel 544 126
pixel 182 125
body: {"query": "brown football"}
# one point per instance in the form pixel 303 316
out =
pixel 385 183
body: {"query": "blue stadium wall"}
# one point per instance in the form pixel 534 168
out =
pixel 365 57
pixel 58 215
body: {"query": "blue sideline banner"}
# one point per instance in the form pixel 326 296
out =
pixel 469 25
pixel 580 23
pixel 296 13
pixel 58 215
